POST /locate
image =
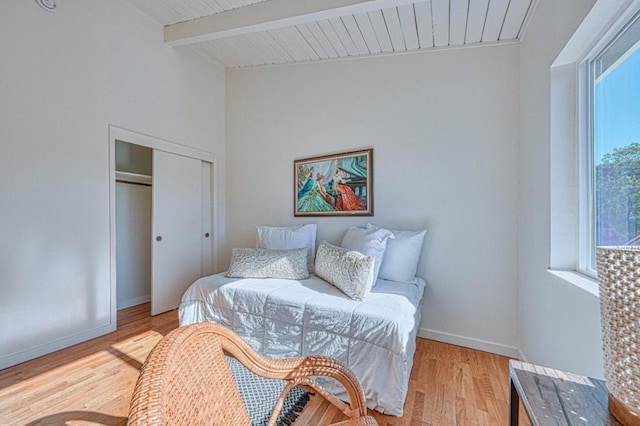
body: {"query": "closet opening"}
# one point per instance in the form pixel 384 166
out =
pixel 133 205
pixel 162 233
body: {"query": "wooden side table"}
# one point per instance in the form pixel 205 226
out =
pixel 553 397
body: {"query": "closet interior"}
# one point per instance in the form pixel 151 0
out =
pixel 134 172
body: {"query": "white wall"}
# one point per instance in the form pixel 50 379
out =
pixel 133 242
pixel 559 322
pixel 444 128
pixel 64 78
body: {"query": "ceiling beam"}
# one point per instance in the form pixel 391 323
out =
pixel 267 15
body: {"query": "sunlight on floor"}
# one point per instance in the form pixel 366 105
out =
pixel 92 385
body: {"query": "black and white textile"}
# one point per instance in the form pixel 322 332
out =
pixel 260 395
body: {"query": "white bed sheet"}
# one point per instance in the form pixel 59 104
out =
pixel 280 318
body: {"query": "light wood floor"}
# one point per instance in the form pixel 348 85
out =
pixel 91 383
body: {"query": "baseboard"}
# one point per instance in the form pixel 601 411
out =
pixel 522 356
pixel 122 304
pixel 29 354
pixel 469 342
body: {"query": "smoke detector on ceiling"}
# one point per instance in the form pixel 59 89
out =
pixel 48 5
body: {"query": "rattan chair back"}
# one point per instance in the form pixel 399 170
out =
pixel 186 380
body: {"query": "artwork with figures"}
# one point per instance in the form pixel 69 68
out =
pixel 334 185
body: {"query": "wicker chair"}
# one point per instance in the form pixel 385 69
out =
pixel 186 381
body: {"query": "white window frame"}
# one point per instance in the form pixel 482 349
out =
pixel 586 211
pixel 570 202
pixel 586 179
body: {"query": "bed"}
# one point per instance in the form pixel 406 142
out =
pixel 282 318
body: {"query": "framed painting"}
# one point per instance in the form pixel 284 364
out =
pixel 334 185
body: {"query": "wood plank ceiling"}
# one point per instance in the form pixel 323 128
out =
pixel 247 33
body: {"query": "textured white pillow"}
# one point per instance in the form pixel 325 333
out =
pixel 349 270
pixel 289 238
pixel 265 263
pixel 370 242
pixel 402 255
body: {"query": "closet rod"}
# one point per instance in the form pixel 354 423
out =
pixel 132 183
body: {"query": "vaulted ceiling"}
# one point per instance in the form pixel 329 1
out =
pixel 245 33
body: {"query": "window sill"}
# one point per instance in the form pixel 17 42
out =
pixel 586 283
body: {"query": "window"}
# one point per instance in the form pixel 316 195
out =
pixel 611 195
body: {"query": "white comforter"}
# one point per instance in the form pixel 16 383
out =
pixel 280 318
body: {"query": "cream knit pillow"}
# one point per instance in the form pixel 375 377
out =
pixel 349 270
pixel 265 263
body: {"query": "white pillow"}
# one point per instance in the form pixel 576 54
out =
pixel 289 238
pixel 401 258
pixel 370 242
pixel 349 270
pixel 265 263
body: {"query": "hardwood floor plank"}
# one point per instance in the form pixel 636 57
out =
pixel 91 383
pixel 418 408
pixel 460 387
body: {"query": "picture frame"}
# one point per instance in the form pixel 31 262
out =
pixel 334 185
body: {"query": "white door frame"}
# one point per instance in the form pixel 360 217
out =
pixel 124 135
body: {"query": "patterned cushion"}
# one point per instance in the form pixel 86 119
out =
pixel 265 263
pixel 350 271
